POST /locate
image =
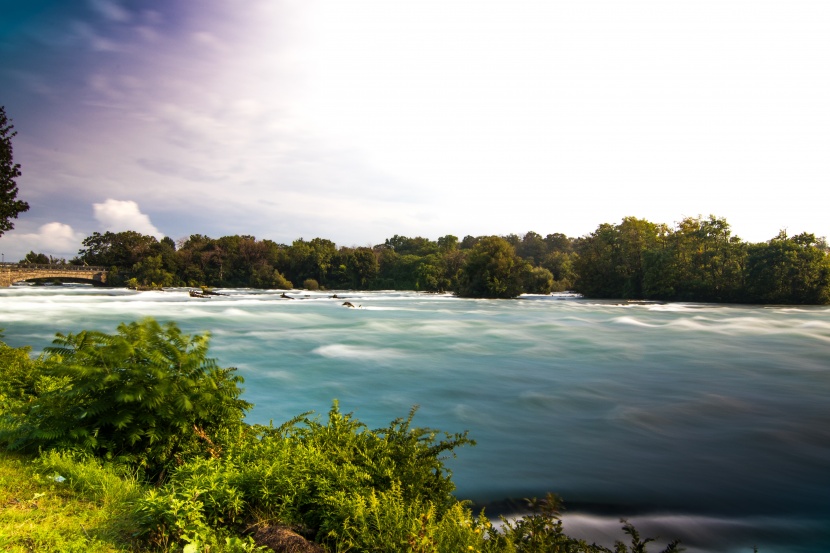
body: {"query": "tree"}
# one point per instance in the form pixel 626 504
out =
pixel 312 259
pixel 532 248
pixel 708 261
pixel 611 260
pixel 36 258
pixel 789 271
pixel 362 266
pixel 10 206
pixel 492 270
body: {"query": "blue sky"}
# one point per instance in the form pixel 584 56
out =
pixel 358 120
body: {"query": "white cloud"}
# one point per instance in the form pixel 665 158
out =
pixel 54 239
pixel 121 215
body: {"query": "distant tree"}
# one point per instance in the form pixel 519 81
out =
pixel 789 271
pixel 125 254
pixel 708 262
pixel 469 241
pixel 538 280
pixel 492 270
pixel 10 206
pixel 558 242
pixel 36 258
pixel 311 259
pixel 362 266
pixel 448 243
pixel 532 248
pixel 611 260
pixel 560 264
pixel 413 246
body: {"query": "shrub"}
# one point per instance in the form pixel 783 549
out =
pixel 311 284
pixel 312 475
pixel 18 378
pixel 145 395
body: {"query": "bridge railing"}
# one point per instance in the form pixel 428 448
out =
pixel 53 267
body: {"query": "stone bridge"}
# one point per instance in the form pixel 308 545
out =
pixel 17 272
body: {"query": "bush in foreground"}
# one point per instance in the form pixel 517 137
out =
pixel 147 395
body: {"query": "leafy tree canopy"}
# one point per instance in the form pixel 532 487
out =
pixel 10 206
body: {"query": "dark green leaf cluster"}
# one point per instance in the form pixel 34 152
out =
pixel 307 474
pixel 10 206
pixel 401 263
pixel 146 395
pixel 700 260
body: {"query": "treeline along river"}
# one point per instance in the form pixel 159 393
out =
pixel 710 423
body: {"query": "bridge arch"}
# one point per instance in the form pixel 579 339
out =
pixel 19 272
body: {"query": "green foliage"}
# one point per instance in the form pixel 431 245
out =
pixel 144 395
pixel 312 259
pixel 538 280
pixel 112 485
pixel 36 258
pixel 611 260
pixel 789 271
pixel 201 505
pixel 10 206
pixel 362 267
pixel 308 473
pixel 311 284
pixel 492 270
pixel 61 504
pixel 18 381
pixel 700 260
pixel 387 521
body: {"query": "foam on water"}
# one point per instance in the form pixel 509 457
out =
pixel 362 353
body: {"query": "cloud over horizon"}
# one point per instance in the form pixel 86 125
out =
pixel 121 215
pixel 53 239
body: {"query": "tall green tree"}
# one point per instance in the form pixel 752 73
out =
pixel 708 260
pixel 311 259
pixel 10 206
pixel 492 270
pixel 788 270
pixel 362 266
pixel 611 260
pixel 125 254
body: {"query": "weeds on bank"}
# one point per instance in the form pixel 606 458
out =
pixel 84 511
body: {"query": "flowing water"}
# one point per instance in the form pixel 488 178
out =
pixel 710 423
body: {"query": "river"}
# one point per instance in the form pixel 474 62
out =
pixel 710 423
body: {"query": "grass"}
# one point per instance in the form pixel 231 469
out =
pixel 86 512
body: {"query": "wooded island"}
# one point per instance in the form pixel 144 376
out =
pixel 698 260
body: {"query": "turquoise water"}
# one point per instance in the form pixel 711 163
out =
pixel 704 422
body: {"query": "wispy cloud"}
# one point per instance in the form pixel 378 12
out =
pixel 111 10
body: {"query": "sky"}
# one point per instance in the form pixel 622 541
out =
pixel 355 121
